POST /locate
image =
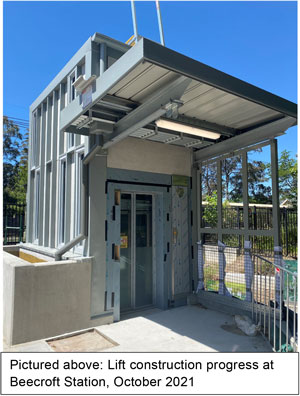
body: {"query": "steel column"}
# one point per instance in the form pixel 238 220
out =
pixel 245 194
pixel 219 198
pixel 275 192
pixel 103 58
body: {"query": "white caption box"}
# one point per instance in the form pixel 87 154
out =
pixel 149 373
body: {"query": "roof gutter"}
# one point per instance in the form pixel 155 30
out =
pixel 84 200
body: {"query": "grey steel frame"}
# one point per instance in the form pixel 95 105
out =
pixel 219 230
pixel 146 50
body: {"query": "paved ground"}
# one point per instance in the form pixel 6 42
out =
pixel 184 329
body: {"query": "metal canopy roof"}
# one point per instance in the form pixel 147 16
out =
pixel 138 88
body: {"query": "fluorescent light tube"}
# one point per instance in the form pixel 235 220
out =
pixel 190 130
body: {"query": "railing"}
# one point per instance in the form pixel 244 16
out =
pixel 275 303
pixel 14 223
pixel 267 289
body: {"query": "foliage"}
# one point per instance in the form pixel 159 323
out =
pixel 15 158
pixel 288 175
pixel 209 179
pixel 232 179
pixel 258 178
pixel 210 212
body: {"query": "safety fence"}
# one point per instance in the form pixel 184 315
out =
pixel 270 287
pixel 275 303
pixel 259 219
pixel 14 223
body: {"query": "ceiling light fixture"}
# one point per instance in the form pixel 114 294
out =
pixel 189 130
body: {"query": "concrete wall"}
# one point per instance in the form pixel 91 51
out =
pixel 44 300
pixel 142 155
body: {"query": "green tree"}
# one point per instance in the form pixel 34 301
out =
pixel 231 177
pixel 210 211
pixel 15 157
pixel 288 175
pixel 259 187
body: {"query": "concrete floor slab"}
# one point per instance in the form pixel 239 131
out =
pixel 189 328
pixel 184 329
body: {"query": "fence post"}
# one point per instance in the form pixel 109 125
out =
pixel 222 264
pixel 5 231
pixel 200 285
pixel 239 225
pixel 286 231
pixel 21 228
pixel 255 218
pixel 249 270
pixel 278 261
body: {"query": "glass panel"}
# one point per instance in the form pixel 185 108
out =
pixel 144 272
pixel 125 252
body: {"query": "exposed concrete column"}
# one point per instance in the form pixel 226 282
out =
pixel 97 243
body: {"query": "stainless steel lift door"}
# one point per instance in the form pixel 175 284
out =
pixel 136 251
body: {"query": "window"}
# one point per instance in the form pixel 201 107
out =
pixel 83 69
pixel 36 205
pixel 70 140
pixel 78 191
pixel 62 202
pixel 72 93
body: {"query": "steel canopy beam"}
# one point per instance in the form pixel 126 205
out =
pixel 256 135
pixel 74 129
pixel 150 110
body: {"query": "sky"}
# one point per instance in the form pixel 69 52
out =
pixel 254 41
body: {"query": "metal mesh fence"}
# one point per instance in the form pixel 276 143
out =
pixel 270 287
pixel 259 219
pixel 234 270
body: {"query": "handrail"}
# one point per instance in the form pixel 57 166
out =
pixel 275 303
pixel 277 266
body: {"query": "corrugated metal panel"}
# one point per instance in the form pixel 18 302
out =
pixel 201 101
pixel 130 77
pixel 194 106
pixel 144 80
pixel 194 92
pixel 253 115
pixel 153 86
